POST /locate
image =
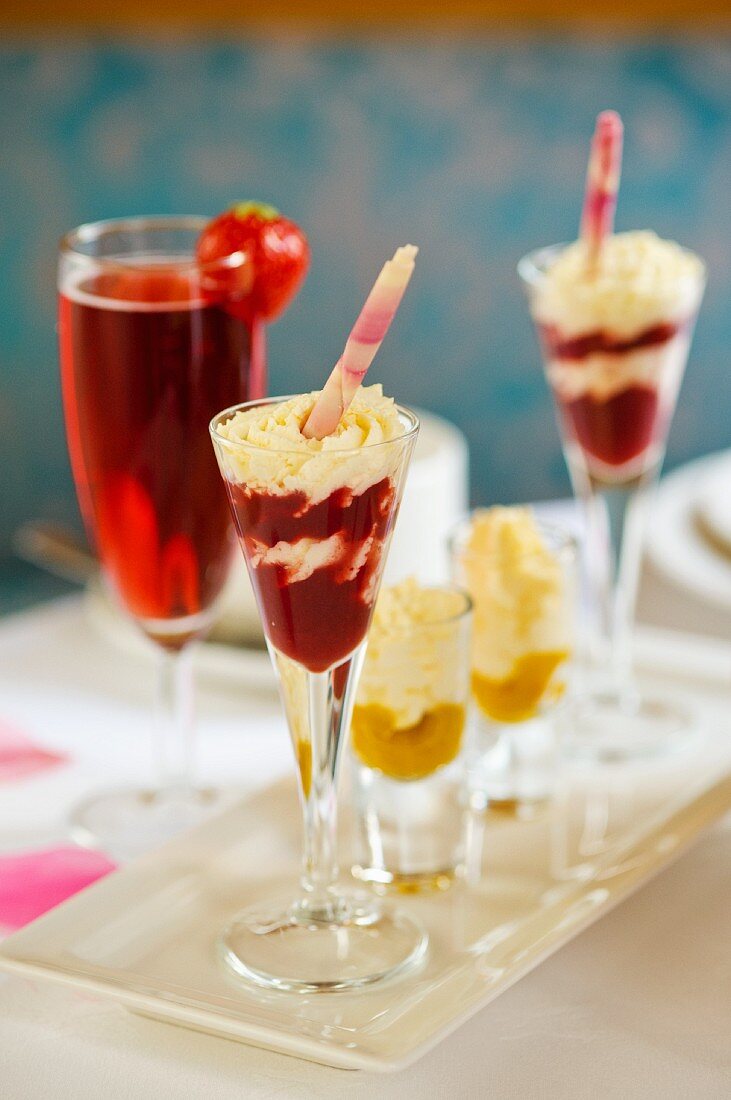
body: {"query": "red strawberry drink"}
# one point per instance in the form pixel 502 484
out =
pixel 154 340
pixel 146 360
pixel 615 342
pixel 314 517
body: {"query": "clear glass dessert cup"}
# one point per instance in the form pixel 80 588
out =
pixel 615 398
pixel 513 766
pixel 409 757
pixel 148 353
pixel 316 603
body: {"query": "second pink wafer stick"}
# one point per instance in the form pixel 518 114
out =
pixel 602 184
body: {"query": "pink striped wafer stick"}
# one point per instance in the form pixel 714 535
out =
pixel 602 184
pixel 363 343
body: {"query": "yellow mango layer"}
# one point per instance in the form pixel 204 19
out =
pixel 517 697
pixel 304 763
pixel 412 752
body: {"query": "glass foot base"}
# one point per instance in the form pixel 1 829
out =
pixel 127 823
pixel 353 942
pixel 607 728
pixel 521 808
pixel 417 882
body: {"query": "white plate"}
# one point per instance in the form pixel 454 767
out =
pixel 676 544
pixel 713 506
pixel 145 936
pixel 237 666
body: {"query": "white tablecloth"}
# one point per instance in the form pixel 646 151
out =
pixel 638 1006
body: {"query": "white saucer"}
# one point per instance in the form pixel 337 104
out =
pixel 676 544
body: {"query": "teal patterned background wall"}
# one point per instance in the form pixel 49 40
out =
pixel 473 150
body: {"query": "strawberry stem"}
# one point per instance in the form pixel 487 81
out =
pixel 261 210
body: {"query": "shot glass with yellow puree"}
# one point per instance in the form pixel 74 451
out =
pixel 521 575
pixel 408 738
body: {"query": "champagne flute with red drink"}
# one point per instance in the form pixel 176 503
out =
pixel 161 323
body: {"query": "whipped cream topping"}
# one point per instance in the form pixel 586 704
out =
pixel 641 281
pixel 519 588
pixel 416 657
pixel 263 447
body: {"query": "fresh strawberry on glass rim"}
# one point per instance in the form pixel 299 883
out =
pixel 277 254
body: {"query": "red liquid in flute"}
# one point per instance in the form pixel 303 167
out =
pixel 145 364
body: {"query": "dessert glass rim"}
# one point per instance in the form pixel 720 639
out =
pixel 408 419
pixel 535 265
pixel 72 243
pixel 565 545
pixel 466 608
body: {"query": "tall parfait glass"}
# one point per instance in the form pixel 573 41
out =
pixel 148 353
pixel 615 345
pixel 314 526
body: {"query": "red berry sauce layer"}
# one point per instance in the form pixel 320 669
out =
pixel 617 430
pixel 604 343
pixel 315 568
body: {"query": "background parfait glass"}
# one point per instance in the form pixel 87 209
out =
pixel 515 752
pixel 148 353
pixel 614 436
pixel 315 609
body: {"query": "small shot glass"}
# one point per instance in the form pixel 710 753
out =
pixel 408 738
pixel 522 576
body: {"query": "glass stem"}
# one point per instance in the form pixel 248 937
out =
pixel 319 707
pixel 506 757
pixel 175 720
pixel 614 536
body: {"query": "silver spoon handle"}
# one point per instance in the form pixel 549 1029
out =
pixel 55 549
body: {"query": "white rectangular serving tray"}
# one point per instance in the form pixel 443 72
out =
pixel 145 936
